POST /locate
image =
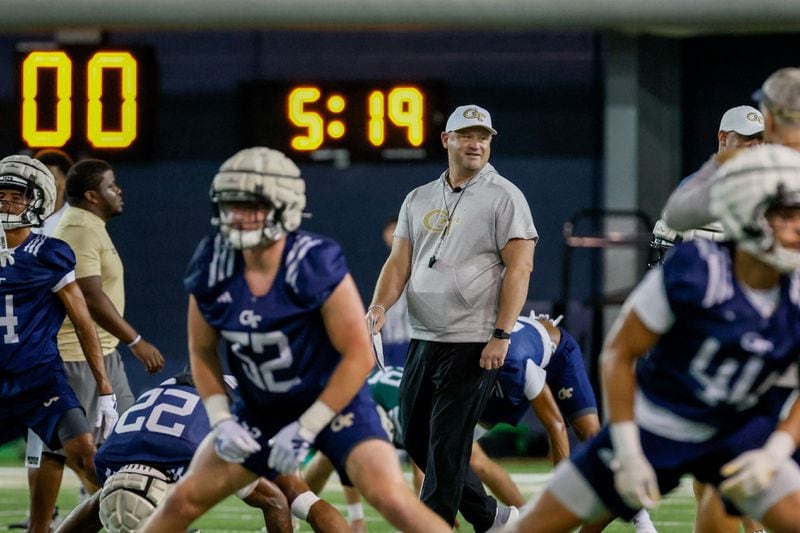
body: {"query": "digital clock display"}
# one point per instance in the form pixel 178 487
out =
pixel 85 99
pixel 388 120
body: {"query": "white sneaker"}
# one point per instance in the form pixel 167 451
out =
pixel 503 517
pixel 642 523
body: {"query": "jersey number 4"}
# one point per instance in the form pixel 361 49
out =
pixel 720 385
pixel 10 322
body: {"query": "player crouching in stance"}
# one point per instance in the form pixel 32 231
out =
pixel 151 447
pixel 38 289
pixel 721 323
pixel 291 318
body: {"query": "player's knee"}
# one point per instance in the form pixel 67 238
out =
pixel 268 498
pixel 586 427
pixel 80 452
pixel 478 464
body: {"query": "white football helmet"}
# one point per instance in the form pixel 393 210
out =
pixel 130 496
pixel 744 189
pixel 38 184
pixel 260 175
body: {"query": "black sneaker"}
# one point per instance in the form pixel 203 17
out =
pixel 56 520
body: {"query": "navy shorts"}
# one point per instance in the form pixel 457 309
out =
pixel 357 422
pixel 568 380
pixel 39 400
pixel 670 459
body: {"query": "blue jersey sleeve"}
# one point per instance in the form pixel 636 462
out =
pixel 212 262
pixel 697 274
pixel 315 266
pixel 56 255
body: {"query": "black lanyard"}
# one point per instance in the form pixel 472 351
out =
pixel 450 216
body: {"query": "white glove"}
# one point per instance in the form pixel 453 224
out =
pixel 6 258
pixel 106 415
pixel 290 446
pixel 232 442
pixel 634 478
pixel 752 471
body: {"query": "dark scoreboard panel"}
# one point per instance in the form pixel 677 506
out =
pixel 91 99
pixel 101 100
pixel 380 121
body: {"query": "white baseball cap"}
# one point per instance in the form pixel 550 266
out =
pixel 781 93
pixel 744 120
pixel 467 116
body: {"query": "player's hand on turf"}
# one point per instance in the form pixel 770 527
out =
pixel 232 442
pixel 106 415
pixel 290 446
pixel 149 355
pixel 752 471
pixel 634 477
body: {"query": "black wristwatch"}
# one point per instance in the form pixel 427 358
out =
pixel 500 334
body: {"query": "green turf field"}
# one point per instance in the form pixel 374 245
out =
pixel 675 515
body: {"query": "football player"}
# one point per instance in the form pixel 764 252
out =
pixel 38 288
pixel 162 431
pixel 720 323
pixel 291 318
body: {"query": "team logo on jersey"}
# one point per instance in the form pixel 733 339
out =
pixel 754 343
pixel 565 393
pixel 435 221
pixel 248 317
pixel 343 421
pixel 51 401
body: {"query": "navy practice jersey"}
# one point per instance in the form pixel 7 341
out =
pixel 30 311
pixel 720 355
pixel 521 373
pixel 163 428
pixel 277 345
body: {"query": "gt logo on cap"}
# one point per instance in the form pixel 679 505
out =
pixel 755 117
pixel 473 113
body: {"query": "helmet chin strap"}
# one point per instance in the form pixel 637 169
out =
pixel 6 255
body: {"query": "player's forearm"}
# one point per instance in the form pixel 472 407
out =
pixel 93 352
pixel 207 372
pixel 618 383
pixel 348 377
pixel 75 305
pixel 559 443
